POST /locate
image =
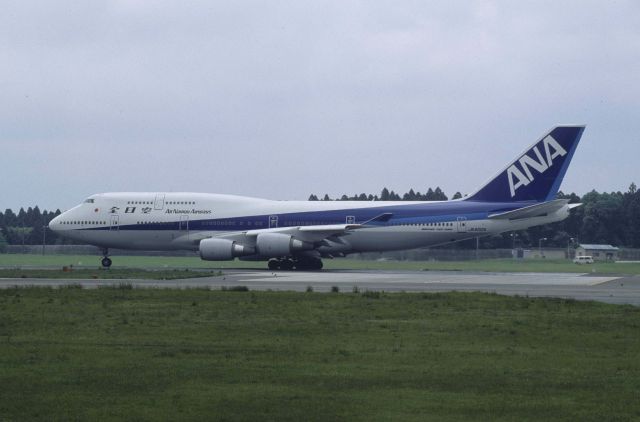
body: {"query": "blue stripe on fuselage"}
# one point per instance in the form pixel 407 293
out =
pixel 402 214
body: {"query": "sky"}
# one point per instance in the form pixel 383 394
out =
pixel 283 99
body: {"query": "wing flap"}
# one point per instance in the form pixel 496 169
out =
pixel 309 233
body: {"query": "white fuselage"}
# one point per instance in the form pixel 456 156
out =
pixel 299 233
pixel 174 221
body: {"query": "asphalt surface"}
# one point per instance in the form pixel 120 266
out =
pixel 611 289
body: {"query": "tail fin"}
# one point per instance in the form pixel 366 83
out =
pixel 537 173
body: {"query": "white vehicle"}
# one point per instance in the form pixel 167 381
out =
pixel 583 259
pixel 297 234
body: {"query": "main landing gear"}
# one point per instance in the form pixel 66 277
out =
pixel 106 261
pixel 288 264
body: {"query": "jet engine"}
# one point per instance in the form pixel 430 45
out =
pixel 279 244
pixel 222 249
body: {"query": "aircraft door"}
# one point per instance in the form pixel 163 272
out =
pixel 351 219
pixel 183 224
pixel 158 204
pixel 114 226
pixel 462 224
pixel 273 221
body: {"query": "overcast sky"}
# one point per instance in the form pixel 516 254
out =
pixel 283 99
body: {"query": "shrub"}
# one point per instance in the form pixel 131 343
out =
pixel 371 294
pixel 234 289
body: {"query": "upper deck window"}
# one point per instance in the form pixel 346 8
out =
pixel 89 201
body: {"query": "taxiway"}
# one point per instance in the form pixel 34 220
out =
pixel 617 289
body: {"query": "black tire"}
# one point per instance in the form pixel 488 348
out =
pixel 309 264
pixel 273 264
pixel 106 262
pixel 301 264
pixel 286 264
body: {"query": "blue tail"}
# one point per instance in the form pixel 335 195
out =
pixel 537 173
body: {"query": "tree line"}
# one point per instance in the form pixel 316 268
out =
pixel 28 227
pixel 608 218
pixel 386 195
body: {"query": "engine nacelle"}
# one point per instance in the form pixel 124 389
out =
pixel 279 244
pixel 222 249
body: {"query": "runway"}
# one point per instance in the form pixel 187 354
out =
pixel 611 289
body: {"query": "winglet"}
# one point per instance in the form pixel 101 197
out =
pixel 537 173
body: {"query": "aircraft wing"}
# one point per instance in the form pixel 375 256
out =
pixel 531 211
pixel 310 233
pixel 315 233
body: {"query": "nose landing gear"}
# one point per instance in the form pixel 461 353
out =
pixel 106 261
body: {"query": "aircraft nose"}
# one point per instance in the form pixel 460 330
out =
pixel 54 225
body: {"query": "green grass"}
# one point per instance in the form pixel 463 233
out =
pixel 145 354
pixel 20 260
pixel 493 265
pixel 115 273
pixel 158 262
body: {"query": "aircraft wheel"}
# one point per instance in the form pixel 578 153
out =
pixel 286 264
pixel 273 264
pixel 309 264
pixel 315 264
pixel 106 262
pixel 301 264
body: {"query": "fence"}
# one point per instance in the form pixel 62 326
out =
pixel 436 254
pixel 87 250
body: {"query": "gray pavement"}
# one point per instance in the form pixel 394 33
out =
pixel 611 289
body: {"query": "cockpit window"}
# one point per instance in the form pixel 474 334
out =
pixel 89 201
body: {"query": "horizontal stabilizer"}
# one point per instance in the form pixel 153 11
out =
pixel 531 211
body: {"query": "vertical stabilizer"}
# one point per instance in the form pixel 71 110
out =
pixel 537 173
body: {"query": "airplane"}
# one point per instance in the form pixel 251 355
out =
pixel 298 234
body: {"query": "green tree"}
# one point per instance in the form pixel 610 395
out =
pixel 603 218
pixel 439 194
pixel 409 196
pixel 632 217
pixel 10 218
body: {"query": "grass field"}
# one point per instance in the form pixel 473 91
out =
pixel 147 354
pixel 158 262
pixel 100 274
